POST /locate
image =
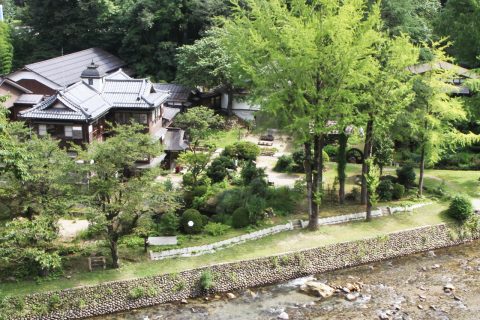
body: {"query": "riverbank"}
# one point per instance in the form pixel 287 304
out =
pixel 410 287
pixel 126 295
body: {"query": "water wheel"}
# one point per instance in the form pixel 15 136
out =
pixel 355 155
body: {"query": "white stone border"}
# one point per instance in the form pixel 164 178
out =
pixel 210 248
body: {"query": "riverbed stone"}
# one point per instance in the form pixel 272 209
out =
pixel 231 295
pixel 283 316
pixel 318 289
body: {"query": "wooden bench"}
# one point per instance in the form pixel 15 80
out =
pixel 265 143
pixel 94 262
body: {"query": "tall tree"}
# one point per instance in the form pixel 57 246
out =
pixel 6 49
pixel 305 63
pixel 412 17
pixel 434 113
pixel 118 197
pixel 387 94
pixel 459 22
pixel 206 63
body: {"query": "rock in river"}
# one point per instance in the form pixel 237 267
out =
pixel 318 289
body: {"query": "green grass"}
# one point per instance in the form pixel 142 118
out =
pixel 221 139
pixel 275 244
pixel 464 182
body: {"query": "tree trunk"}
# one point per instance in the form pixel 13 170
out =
pixel 367 153
pixel 341 166
pixel 317 181
pixel 230 101
pixel 145 244
pixel 369 209
pixel 307 164
pixel 422 171
pixel 114 253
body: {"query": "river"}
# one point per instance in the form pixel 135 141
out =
pixel 405 288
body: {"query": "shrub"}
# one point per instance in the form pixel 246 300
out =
pixel 283 200
pixel 206 280
pixel 187 180
pixel 331 150
pixel 251 172
pixel 218 170
pixel 398 191
pixel 255 206
pixel 199 221
pixel 216 229
pixel 385 190
pixel 169 224
pixel 229 201
pixel 243 150
pixel 258 186
pixel 136 293
pixel 460 208
pixel 284 164
pixel 406 176
pixel 240 218
pixel 354 195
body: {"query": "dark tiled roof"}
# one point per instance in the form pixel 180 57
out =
pixel 28 98
pixel 13 84
pixel 66 70
pixel 177 92
pixel 170 113
pixel 442 65
pixel 174 140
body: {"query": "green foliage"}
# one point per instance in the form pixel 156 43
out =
pixel 169 224
pixel 118 199
pixel 398 191
pixel 218 169
pixel 242 150
pixel 255 206
pixel 331 150
pixel 26 247
pixel 54 302
pixel 284 164
pixel 199 123
pixel 216 229
pixel 229 200
pixel 412 17
pixel 199 221
pixel 207 280
pixel 383 150
pixel 6 49
pixel 385 190
pixel 373 180
pixel 250 172
pixel 240 218
pixel 205 63
pixel 196 164
pixel 283 200
pixel 136 293
pixel 460 208
pixel 406 176
pixel 459 22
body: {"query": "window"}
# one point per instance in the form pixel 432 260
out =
pixel 90 82
pixel 143 118
pixel 68 131
pixel 77 132
pixel 42 129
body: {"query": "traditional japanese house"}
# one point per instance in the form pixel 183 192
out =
pixel 78 113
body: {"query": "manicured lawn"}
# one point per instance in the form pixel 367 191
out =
pixel 221 139
pixel 466 182
pixel 276 244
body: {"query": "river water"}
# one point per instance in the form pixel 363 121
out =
pixel 405 288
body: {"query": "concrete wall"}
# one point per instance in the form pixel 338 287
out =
pixel 117 296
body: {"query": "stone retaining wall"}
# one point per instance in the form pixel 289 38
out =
pixel 209 248
pixel 119 296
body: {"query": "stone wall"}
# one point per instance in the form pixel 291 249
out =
pixel 209 248
pixel 126 295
